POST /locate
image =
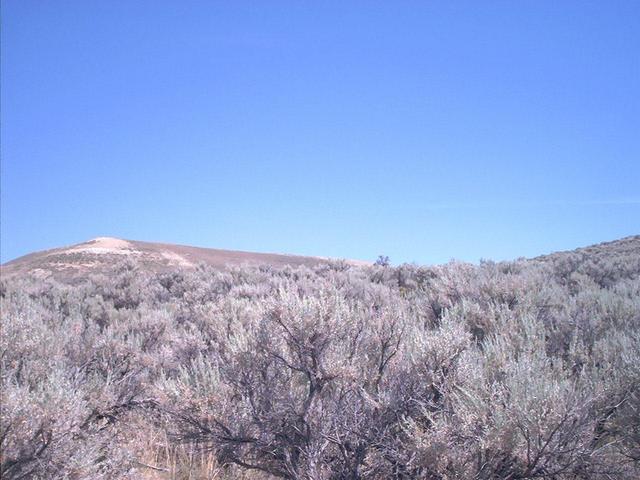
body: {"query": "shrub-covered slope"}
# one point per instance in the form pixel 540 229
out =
pixel 515 370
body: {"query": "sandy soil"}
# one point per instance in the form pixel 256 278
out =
pixel 104 245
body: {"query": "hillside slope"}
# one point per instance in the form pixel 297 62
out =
pixel 100 254
pixel 621 247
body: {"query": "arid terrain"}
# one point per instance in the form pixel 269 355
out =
pixel 125 359
pixel 100 254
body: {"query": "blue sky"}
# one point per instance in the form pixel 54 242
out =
pixel 421 130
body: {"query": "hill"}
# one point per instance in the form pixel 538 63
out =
pixel 100 254
pixel 605 263
pixel 622 247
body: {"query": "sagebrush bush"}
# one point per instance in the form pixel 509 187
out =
pixel 513 370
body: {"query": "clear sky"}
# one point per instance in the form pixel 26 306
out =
pixel 424 130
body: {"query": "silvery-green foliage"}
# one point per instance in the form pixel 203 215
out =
pixel 511 370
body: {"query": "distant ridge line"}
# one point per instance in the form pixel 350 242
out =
pixel 99 255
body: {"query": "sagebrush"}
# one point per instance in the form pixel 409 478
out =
pixel 513 370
